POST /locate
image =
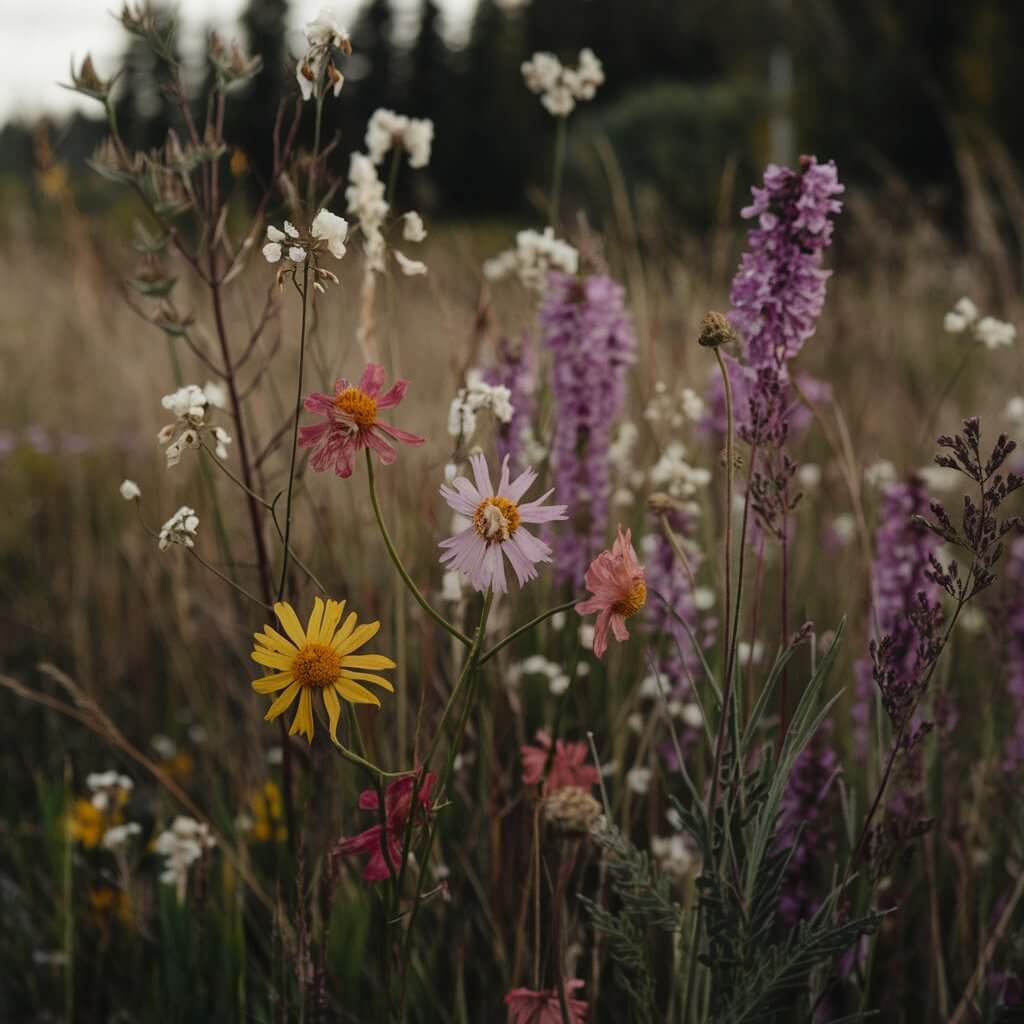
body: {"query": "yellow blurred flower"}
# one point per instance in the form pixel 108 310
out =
pixel 318 659
pixel 267 811
pixel 86 823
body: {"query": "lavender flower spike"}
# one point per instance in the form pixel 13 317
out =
pixel 779 289
pixel 590 336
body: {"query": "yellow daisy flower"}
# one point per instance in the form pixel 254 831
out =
pixel 316 659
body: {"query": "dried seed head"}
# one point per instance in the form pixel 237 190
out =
pixel 715 331
pixel 661 503
pixel 570 811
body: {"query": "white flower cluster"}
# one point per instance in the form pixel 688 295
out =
pixel 672 473
pixel 638 780
pixel 327 230
pixel 366 200
pixel 284 242
pixel 323 35
pixel 108 789
pixel 538 665
pixel 387 130
pixel 116 837
pixel 189 405
pixel 880 473
pixel 651 689
pixel 179 529
pixel 674 408
pixel 1014 411
pixel 181 846
pixel 629 478
pixel 987 330
pixel 535 255
pixel 477 395
pixel 559 87
pixel 673 857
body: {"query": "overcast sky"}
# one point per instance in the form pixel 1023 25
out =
pixel 38 37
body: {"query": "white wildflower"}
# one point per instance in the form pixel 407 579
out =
pixel 672 473
pixel 333 230
pixel 844 529
pixel 386 130
pixel 673 856
pixel 749 653
pixel 411 268
pixel 222 439
pixel 692 715
pixel 638 780
pixel 216 394
pixel 986 330
pixel 703 599
pixel 559 87
pixel 587 636
pixel 939 478
pixel 809 475
pixel 536 254
pixel 120 834
pixel 475 396
pixel 296 253
pixel 272 252
pixel 451 587
pixel 412 227
pixel 181 846
pixel 1014 411
pixel 323 35
pixel 635 722
pixel 130 490
pixel 559 684
pixel 880 473
pixel 165 747
pixel 179 529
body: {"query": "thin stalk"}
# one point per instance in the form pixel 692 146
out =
pixel 559 166
pixel 227 472
pixel 227 579
pixel 407 579
pixel 295 434
pixel 536 621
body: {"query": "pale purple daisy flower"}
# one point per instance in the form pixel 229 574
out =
pixel 495 531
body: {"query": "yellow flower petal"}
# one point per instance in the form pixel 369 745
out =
pixel 272 659
pixel 272 639
pixel 333 710
pixel 366 661
pixel 332 616
pixel 345 631
pixel 286 614
pixel 303 721
pixel 316 618
pixel 354 693
pixel 368 677
pixel 271 684
pixel 282 703
pixel 366 632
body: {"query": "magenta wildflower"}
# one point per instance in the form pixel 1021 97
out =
pixel 779 289
pixel 398 805
pixel 496 531
pixel 526 1006
pixel 352 422
pixel 568 764
pixel 590 336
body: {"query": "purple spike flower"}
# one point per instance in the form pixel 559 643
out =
pixel 516 369
pixel 1013 627
pixel 585 326
pixel 779 289
pixel 902 550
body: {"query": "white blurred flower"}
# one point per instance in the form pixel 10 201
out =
pixel 809 475
pixel 165 747
pixel 222 439
pixel 179 529
pixel 559 684
pixel 181 846
pixel 1014 411
pixel 412 227
pixel 560 87
pixel 880 473
pixel 995 333
pixel 587 636
pixel 939 478
pixel 120 834
pixel 635 722
pixel 471 399
pixel 703 599
pixel 672 473
pixel 323 35
pixel 844 529
pixel 747 653
pixel 386 129
pixel 692 715
pixel 673 856
pixel 972 620
pixel 272 252
pixel 130 490
pixel 638 780
pixel 411 268
pixel 216 394
pixel 451 587
pixel 536 254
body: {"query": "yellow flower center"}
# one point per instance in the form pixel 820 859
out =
pixel 633 601
pixel 359 405
pixel 316 665
pixel 496 519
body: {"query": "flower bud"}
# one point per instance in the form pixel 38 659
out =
pixel 715 331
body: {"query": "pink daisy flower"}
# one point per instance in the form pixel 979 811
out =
pixel 616 580
pixel 568 767
pixel 398 805
pixel 528 1007
pixel 352 422
pixel 496 531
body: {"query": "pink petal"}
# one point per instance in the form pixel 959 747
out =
pixel 521 485
pixel 309 437
pixel 365 842
pixel 601 632
pixel 482 475
pixel 401 435
pixel 393 395
pixel 320 403
pixel 385 452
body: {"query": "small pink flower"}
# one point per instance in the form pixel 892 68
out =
pixel 528 1007
pixel 496 527
pixel 616 579
pixel 352 422
pixel 397 808
pixel 568 767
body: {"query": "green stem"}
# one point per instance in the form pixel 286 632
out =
pixel 295 435
pixel 515 634
pixel 556 180
pixel 231 476
pixel 413 589
pixel 227 579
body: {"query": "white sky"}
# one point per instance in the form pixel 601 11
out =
pixel 38 37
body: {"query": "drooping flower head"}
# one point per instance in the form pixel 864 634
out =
pixel 616 581
pixel 529 1007
pixel 398 805
pixel 586 328
pixel 496 530
pixel 317 69
pixel 352 423
pixel 319 659
pixel 568 764
pixel 779 289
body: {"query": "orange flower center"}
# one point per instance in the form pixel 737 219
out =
pixel 316 665
pixel 359 405
pixel 633 601
pixel 496 519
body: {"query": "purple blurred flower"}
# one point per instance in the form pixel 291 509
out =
pixel 1013 628
pixel 516 369
pixel 590 336
pixel 779 289
pixel 902 550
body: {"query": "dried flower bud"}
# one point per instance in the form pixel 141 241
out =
pixel 570 811
pixel 88 82
pixel 232 65
pixel 661 503
pixel 715 331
